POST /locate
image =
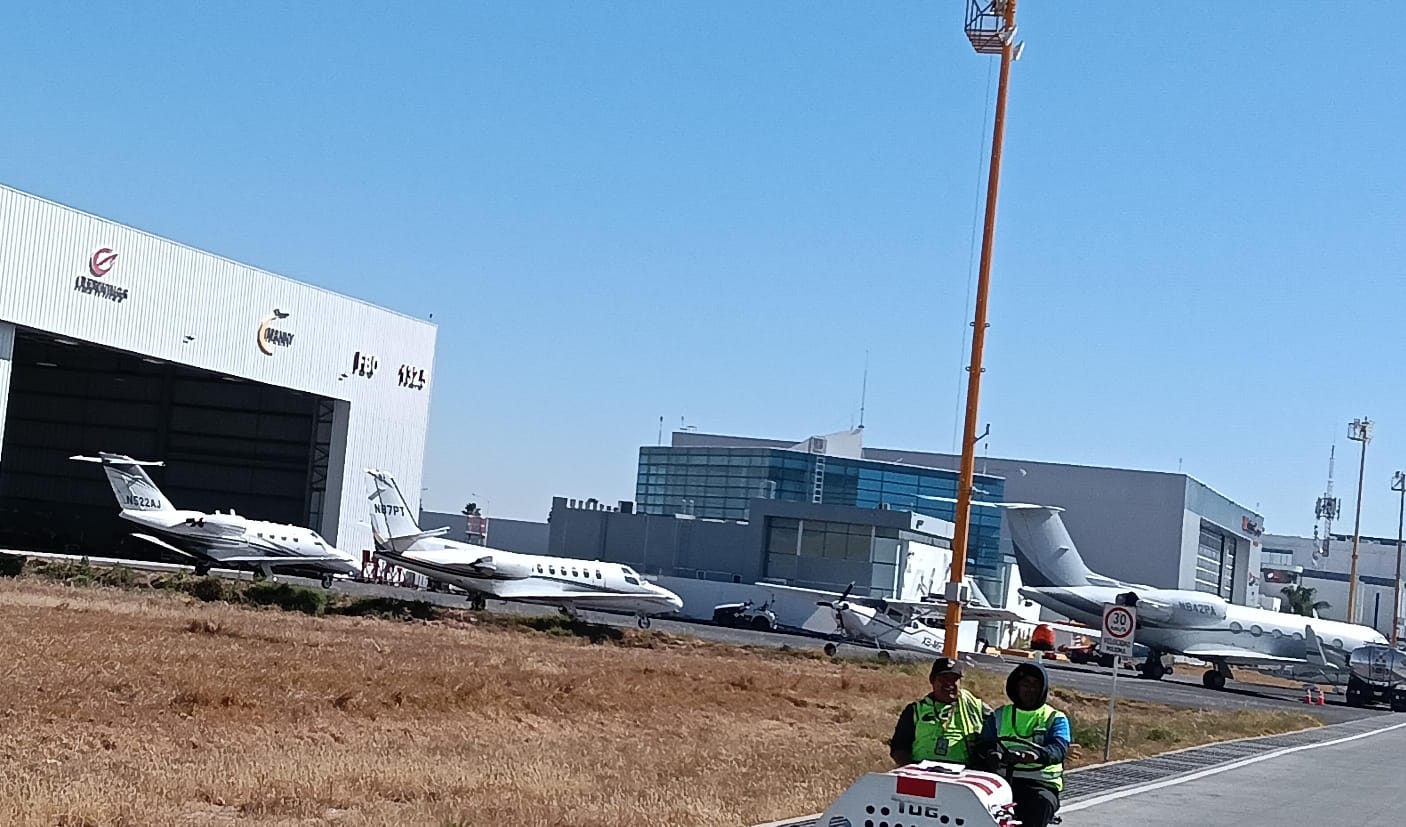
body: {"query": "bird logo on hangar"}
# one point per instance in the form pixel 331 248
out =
pixel 270 337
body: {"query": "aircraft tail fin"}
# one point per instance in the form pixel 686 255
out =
pixel 1044 550
pixel 390 508
pixel 130 483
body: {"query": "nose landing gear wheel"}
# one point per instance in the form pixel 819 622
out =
pixel 1153 669
pixel 1213 680
pixel 831 649
pixel 642 621
pixel 326 581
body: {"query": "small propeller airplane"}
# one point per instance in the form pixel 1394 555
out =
pixel 888 624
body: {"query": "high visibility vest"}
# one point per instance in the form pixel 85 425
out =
pixel 941 732
pixel 1017 727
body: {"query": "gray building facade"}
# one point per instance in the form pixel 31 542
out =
pixel 1299 561
pixel 1162 529
pixel 807 545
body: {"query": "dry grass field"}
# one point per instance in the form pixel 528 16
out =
pixel 151 708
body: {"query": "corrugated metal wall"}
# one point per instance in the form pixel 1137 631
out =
pixel 167 301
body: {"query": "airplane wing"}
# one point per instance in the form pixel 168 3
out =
pixel 920 608
pixel 563 599
pixel 1236 656
pixel 1325 658
pixel 271 562
pixel 800 590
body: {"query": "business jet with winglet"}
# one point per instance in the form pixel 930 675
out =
pixel 1179 621
pixel 567 584
pixel 889 624
pixel 218 539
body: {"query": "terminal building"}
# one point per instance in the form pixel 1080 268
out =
pixel 825 512
pixel 259 393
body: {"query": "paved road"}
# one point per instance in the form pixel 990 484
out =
pixel 1185 691
pixel 1357 782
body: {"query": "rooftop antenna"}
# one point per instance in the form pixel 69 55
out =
pixel 1325 510
pixel 864 390
pixel 660 439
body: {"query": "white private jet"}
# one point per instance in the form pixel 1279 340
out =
pixel 888 624
pixel 567 584
pixel 1178 621
pixel 218 539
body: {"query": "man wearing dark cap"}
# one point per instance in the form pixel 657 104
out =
pixel 1034 739
pixel 942 725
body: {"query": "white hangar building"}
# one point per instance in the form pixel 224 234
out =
pixel 260 394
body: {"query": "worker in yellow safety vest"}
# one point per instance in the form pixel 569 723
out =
pixel 1028 741
pixel 942 725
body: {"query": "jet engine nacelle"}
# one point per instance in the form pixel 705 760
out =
pixel 1378 664
pixel 502 568
pixel 223 523
pixel 514 570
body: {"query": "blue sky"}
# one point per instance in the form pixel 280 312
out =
pixel 618 212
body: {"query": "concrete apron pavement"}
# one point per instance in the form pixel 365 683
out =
pixel 1120 786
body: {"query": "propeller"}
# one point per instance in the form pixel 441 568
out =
pixel 839 606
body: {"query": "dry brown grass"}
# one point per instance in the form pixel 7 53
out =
pixel 125 708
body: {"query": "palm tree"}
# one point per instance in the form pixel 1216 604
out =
pixel 1299 600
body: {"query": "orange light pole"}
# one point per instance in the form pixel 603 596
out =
pixel 985 39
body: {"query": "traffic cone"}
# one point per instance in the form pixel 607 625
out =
pixel 1322 697
pixel 1308 694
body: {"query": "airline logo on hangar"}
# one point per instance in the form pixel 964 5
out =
pixel 270 337
pixel 99 265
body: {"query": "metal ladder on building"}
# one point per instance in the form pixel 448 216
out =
pixel 818 490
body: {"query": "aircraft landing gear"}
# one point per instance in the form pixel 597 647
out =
pixel 478 604
pixel 327 581
pixel 884 655
pixel 830 650
pixel 1215 678
pixel 1357 693
pixel 1153 668
pixel 642 621
pixel 202 569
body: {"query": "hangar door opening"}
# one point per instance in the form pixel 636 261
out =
pixel 227 444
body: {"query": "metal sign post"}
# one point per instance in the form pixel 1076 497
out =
pixel 1118 625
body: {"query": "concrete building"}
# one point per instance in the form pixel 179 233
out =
pixel 259 393
pixel 876 552
pixel 1163 529
pixel 726 477
pixel 1299 561
pixel 522 536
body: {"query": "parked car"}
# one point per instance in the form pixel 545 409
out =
pixel 746 615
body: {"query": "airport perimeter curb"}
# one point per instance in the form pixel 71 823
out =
pixel 1099 779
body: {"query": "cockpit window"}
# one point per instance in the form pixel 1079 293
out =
pixel 632 581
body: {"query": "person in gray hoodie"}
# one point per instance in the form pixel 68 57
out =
pixel 1027 740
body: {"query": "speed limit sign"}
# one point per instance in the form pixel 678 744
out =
pixel 1118 625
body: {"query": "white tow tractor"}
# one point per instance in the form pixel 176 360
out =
pixel 926 794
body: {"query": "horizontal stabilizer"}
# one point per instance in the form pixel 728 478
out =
pixel 112 460
pixel 159 543
pixel 1008 506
